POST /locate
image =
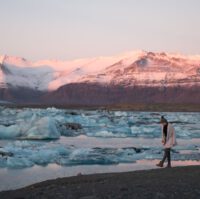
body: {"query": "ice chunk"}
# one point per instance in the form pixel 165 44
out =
pixel 45 128
pixel 18 162
pixel 9 131
pixel 89 156
pixel 24 113
pixel 29 124
pixel 44 157
pixel 120 113
pixel 3 162
pixel 104 133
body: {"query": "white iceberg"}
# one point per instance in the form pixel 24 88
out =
pixel 31 128
pixel 9 132
pixel 45 128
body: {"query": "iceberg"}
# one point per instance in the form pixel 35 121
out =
pixel 19 162
pixel 35 128
pixel 45 128
pixel 9 132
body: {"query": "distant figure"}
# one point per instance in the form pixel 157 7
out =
pixel 168 141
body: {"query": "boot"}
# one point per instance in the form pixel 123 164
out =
pixel 160 164
pixel 168 166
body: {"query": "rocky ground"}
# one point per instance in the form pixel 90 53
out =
pixel 179 182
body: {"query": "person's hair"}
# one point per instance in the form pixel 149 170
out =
pixel 163 120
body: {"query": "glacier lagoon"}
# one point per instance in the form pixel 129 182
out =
pixel 67 142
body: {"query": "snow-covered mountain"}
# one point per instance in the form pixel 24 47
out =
pixel 128 70
pixel 134 68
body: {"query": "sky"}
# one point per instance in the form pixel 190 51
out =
pixel 71 29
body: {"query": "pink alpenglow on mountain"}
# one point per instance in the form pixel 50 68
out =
pixel 138 69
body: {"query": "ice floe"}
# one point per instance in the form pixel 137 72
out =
pixel 31 137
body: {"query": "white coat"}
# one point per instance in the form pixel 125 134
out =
pixel 170 140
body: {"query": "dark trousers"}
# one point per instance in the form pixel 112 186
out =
pixel 167 155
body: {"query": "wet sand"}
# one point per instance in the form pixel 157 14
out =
pixel 177 182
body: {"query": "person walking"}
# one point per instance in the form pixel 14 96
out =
pixel 168 141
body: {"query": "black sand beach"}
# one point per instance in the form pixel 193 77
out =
pixel 178 182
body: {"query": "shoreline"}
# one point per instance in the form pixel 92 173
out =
pixel 153 107
pixel 19 178
pixel 177 182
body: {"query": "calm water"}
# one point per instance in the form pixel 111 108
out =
pixel 41 144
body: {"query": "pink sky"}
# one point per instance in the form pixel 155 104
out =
pixel 60 29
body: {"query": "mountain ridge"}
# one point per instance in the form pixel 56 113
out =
pixel 135 66
pixel 161 75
